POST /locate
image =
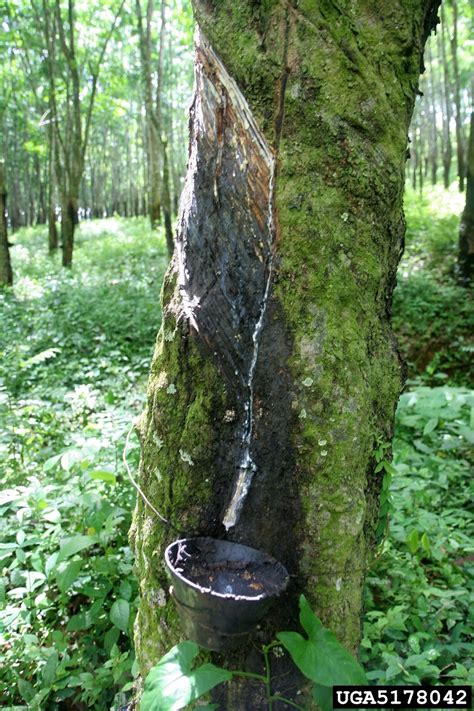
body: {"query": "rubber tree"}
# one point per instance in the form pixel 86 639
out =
pixel 157 153
pixel 6 273
pixel 275 372
pixel 70 116
pixel 466 230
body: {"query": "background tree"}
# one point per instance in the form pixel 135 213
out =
pixel 69 73
pixel 443 119
pixel 275 367
pixel 466 232
pixel 6 274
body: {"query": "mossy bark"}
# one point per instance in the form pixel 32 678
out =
pixel 315 208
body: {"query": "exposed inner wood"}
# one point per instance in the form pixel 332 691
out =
pixel 225 241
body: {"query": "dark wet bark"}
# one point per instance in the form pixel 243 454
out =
pixel 275 370
pixel 466 232
pixel 6 273
pixel 69 220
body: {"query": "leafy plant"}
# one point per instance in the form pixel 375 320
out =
pixel 416 628
pixel 173 683
pixel 70 369
pixel 433 315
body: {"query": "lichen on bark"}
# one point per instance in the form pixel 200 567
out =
pixel 331 88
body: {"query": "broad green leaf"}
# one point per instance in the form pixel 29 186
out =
pixel 413 541
pixel 425 543
pixel 119 614
pixel 26 689
pixel 70 546
pixel 125 590
pixel 53 516
pixel 322 658
pixel 430 425
pixel 79 622
pixel 309 622
pixel 111 638
pixel 66 576
pixel 323 697
pixel 52 462
pixel 172 684
pixel 325 661
pixel 389 468
pixel 49 669
pixel 51 562
pixel 103 475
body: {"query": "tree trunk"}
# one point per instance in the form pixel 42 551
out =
pixel 69 220
pixel 433 120
pixel 466 232
pixel 447 147
pixel 153 127
pixel 52 227
pixel 276 372
pixel 166 200
pixel 6 273
pixel 457 99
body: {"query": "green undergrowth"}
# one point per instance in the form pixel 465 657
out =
pixel 75 352
pixel 419 592
pixel 433 317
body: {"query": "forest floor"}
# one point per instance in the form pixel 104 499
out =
pixel 75 351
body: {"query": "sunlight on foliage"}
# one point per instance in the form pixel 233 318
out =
pixel 75 354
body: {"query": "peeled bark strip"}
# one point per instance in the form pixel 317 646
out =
pixel 275 372
pixel 225 242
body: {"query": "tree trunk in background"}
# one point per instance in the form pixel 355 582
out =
pixel 52 227
pixel 457 98
pixel 466 232
pixel 166 200
pixel 447 147
pixel 276 345
pixel 6 273
pixel 152 126
pixel 433 121
pixel 414 154
pixel 69 220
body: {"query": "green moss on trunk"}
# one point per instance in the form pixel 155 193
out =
pixel 332 88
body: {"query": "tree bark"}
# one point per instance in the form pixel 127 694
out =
pixel 69 220
pixel 275 369
pixel 457 99
pixel 433 121
pixel 166 200
pixel 6 273
pixel 52 227
pixel 152 126
pixel 447 146
pixel 466 232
